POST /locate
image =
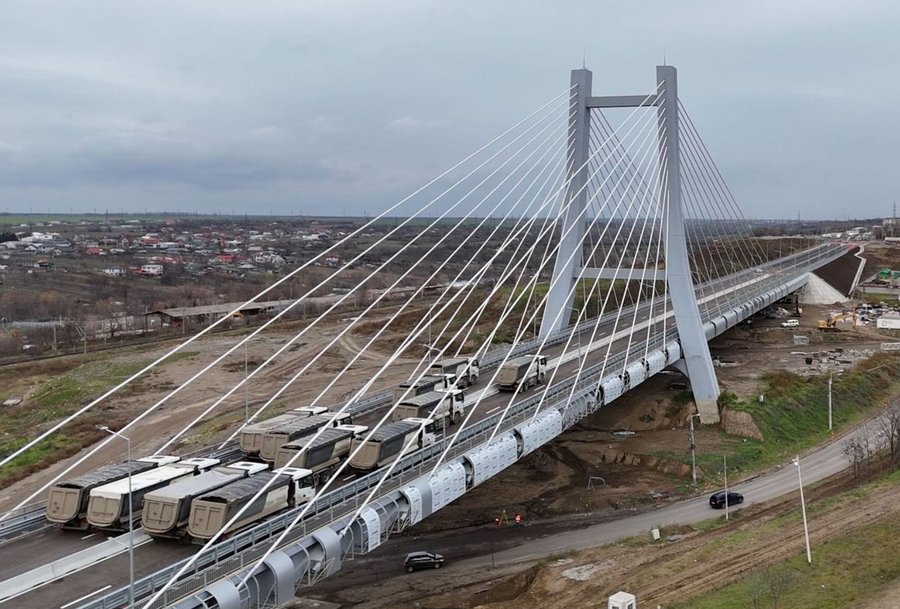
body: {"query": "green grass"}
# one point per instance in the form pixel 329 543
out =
pixel 845 571
pixel 794 415
pixel 57 395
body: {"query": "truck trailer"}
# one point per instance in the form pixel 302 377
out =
pixel 436 405
pixel 167 510
pixel 108 505
pixel 250 438
pixel 464 369
pixel 323 453
pixel 390 442
pixel 522 372
pixel 210 513
pixel 67 501
pixel 295 429
pixel 425 384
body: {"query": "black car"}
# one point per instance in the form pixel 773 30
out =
pixel 423 560
pixel 717 500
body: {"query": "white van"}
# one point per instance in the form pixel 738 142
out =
pixel 791 323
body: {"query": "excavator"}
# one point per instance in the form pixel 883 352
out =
pixel 831 323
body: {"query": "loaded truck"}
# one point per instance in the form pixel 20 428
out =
pixel 522 372
pixel 463 369
pixel 166 511
pixel 210 513
pixel 323 454
pixel 250 439
pixel 426 384
pixel 276 437
pixel 108 505
pixel 390 442
pixel 67 501
pixel 436 405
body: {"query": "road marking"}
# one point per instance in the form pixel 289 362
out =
pixel 348 477
pixel 492 410
pixel 89 535
pixel 526 557
pixel 78 600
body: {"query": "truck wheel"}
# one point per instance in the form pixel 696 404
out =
pixel 541 378
pixel 456 418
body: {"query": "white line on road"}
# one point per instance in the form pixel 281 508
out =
pixel 492 410
pixel 86 596
pixel 89 535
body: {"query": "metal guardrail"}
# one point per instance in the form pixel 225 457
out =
pixel 244 548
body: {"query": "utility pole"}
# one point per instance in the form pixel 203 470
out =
pixel 803 506
pixel 725 470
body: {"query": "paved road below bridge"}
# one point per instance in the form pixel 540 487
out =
pixel 816 465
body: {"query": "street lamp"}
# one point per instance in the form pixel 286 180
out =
pixel 693 450
pixel 803 506
pixel 725 471
pixel 130 515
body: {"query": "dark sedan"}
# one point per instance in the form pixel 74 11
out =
pixel 423 560
pixel 717 500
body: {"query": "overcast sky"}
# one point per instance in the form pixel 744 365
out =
pixel 343 107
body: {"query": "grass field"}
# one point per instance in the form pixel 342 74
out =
pixel 53 390
pixel 846 570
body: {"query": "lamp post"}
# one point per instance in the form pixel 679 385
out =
pixel 130 515
pixel 803 507
pixel 693 450
pixel 725 471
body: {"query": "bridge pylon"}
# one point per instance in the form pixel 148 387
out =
pixel 696 362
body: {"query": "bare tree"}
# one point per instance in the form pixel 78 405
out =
pixel 757 587
pixel 855 451
pixel 778 581
pixel 889 424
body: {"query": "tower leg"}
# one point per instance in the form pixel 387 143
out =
pixel 694 347
pixel 569 256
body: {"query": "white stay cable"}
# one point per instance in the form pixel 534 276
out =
pixel 215 538
pixel 471 410
pixel 65 421
pixel 275 318
pixel 578 279
pixel 374 304
pixel 642 192
pixel 516 234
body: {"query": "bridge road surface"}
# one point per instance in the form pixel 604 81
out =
pixel 153 556
pixel 816 465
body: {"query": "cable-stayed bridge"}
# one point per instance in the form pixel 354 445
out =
pixel 603 220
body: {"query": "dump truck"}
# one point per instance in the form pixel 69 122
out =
pixel 522 372
pixel 211 513
pixel 166 511
pixel 276 437
pixel 436 405
pixel 390 442
pixel 323 454
pixel 67 501
pixel 425 384
pixel 250 439
pixel 464 369
pixel 108 505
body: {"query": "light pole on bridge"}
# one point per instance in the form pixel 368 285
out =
pixel 130 514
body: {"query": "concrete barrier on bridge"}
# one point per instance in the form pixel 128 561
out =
pixel 486 461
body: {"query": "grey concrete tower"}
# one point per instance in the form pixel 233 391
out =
pixel 696 362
